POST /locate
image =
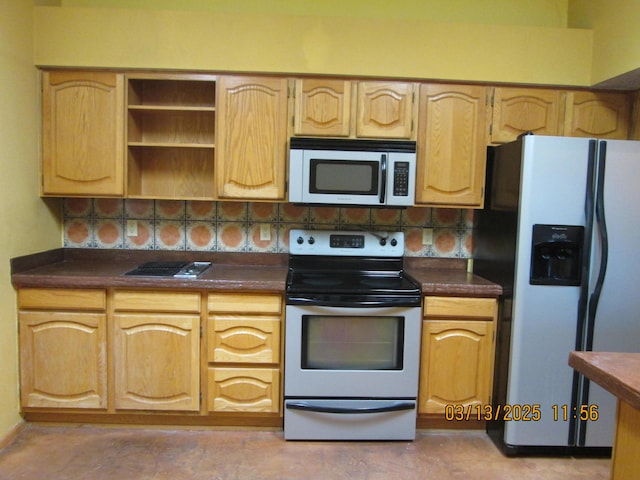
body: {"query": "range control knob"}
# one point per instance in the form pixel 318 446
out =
pixel 394 242
pixel 312 240
pixel 383 241
pixel 300 240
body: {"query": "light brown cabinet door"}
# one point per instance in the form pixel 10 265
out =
pixel 83 133
pixel 63 359
pixel 251 138
pixel 594 114
pixel 385 110
pixel 157 358
pixel 322 107
pixel 456 364
pixel 519 110
pixel 377 109
pixel 451 145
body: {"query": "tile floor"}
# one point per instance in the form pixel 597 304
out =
pixel 97 453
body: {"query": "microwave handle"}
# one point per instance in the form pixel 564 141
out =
pixel 383 169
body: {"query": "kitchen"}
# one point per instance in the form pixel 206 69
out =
pixel 572 51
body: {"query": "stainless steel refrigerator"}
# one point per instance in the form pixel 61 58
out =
pixel 560 232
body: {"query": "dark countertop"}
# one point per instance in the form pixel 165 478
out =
pixel 86 268
pixel 618 373
pixel 104 268
pixel 449 277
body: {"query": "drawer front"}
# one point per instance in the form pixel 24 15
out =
pixel 244 390
pixel 245 303
pixel 62 298
pixel 156 301
pixel 460 307
pixel 237 339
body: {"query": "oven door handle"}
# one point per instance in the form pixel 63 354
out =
pixel 393 406
pixel 387 302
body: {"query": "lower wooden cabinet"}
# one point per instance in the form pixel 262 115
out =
pixel 63 362
pixel 156 360
pixel 457 353
pixel 125 352
pixel 243 343
pixel 156 350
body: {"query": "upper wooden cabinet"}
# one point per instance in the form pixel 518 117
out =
pixel 322 107
pixel 170 136
pixel 597 114
pixel 519 110
pixel 452 145
pixel 251 138
pixel 82 133
pixel 364 109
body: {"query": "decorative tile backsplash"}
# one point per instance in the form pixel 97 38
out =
pixel 243 227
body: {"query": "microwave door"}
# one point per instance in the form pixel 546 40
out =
pixel 348 178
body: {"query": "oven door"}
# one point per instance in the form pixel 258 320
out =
pixel 344 352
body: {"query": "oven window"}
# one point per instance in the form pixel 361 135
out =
pixel 344 176
pixel 352 342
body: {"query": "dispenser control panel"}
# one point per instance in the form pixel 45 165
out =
pixel 556 255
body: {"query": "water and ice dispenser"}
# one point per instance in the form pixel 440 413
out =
pixel 556 255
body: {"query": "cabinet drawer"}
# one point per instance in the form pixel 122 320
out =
pixel 245 303
pixel 61 298
pixel 460 307
pixel 156 301
pixel 235 339
pixel 244 390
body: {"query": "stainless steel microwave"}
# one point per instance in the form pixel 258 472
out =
pixel 352 172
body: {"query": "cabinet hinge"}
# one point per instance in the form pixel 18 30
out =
pixel 200 331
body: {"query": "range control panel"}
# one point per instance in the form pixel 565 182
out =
pixel 331 242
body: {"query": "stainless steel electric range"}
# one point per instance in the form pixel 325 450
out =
pixel 352 338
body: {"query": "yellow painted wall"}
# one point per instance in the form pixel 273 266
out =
pixel 616 30
pixel 28 225
pixel 208 40
pixel 542 13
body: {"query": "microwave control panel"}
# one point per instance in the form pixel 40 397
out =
pixel 401 179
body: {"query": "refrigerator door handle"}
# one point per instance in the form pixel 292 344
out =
pixel 590 200
pixel 581 321
pixel 601 222
pixel 601 225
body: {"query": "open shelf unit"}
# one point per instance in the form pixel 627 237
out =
pixel 171 136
